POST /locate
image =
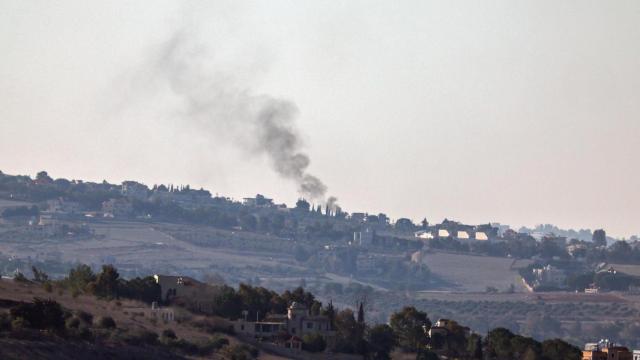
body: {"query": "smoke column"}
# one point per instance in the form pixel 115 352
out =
pixel 210 100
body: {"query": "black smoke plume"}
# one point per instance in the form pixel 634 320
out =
pixel 213 102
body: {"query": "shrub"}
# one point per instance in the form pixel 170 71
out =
pixel 19 323
pixel 85 334
pixel 183 346
pixel 142 337
pixel 86 317
pixel 5 322
pixel 313 343
pixel 241 352
pixel 200 348
pixel 47 286
pixel 212 345
pixel 169 334
pixel 40 314
pixel 72 323
pixel 106 322
pixel 19 277
pixel 214 325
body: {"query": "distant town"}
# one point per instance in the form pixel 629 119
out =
pixel 544 282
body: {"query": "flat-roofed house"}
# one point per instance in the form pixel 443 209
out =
pixel 296 322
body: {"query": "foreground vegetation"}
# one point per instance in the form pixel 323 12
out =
pixel 43 320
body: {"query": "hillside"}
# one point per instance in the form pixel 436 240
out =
pixel 123 342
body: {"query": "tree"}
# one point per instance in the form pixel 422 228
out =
pixel 313 343
pixel 410 324
pixel 143 289
pixel 580 281
pixel 474 346
pixel 43 178
pixel 541 325
pixel 106 322
pixel 361 314
pixel 382 340
pixel 599 238
pixel 620 252
pixel 277 223
pixel 301 254
pixel 227 303
pixel 80 276
pixel 256 300
pixel 300 296
pixel 498 343
pixel 330 312
pixel 521 345
pixel 24 211
pixel 404 224
pixel 106 283
pixel 248 222
pixel 302 205
pixel 39 276
pixel 557 349
pixel 349 339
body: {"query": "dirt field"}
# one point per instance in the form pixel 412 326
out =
pixel 548 297
pixel 471 273
pixel 627 269
pixel 132 245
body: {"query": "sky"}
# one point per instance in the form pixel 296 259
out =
pixel 518 112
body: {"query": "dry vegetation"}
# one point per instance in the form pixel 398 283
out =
pixel 127 314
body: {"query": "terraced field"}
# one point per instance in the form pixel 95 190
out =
pixel 460 272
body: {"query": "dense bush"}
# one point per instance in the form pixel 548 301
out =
pixel 135 337
pixel 39 314
pixel 106 322
pixel 168 334
pixel 502 344
pixel 313 343
pixel 200 348
pixel 241 352
pixel 86 317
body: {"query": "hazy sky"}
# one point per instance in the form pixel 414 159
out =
pixel 520 112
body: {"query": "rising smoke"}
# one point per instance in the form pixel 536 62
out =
pixel 218 107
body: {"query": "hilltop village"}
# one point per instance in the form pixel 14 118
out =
pixel 347 257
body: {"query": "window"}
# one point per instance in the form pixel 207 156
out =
pixel 293 330
pixel 309 325
pixel 242 327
